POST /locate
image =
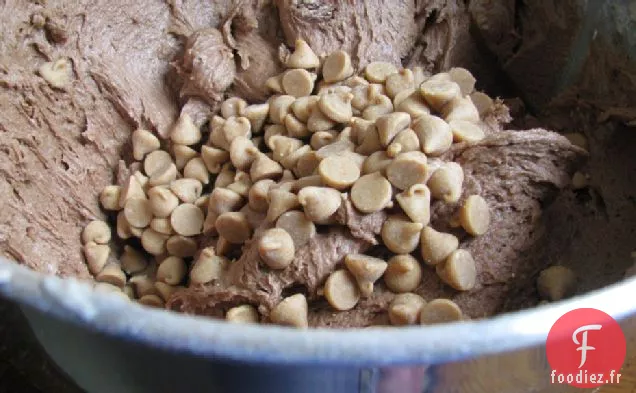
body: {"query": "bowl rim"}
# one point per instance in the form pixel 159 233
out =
pixel 75 301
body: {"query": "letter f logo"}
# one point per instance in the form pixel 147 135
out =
pixel 584 347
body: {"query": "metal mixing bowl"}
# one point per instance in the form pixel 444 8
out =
pixel 108 345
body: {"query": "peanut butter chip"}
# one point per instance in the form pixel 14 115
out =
pixel 298 226
pixel 378 106
pixel 556 283
pixel 132 261
pixel 318 121
pixel 401 235
pixel 257 115
pixel 440 311
pixel 341 290
pixel 264 167
pixel 464 79
pixel 112 274
pixel 303 106
pixel 187 219
pixel 405 309
pixel 280 201
pixel 164 174
pixel 109 197
pixel 164 290
pixel 234 227
pixel 151 301
pixel 337 67
pixel 403 274
pixel 185 132
pixel 378 71
pixel 214 158
pixel 162 201
pixel 319 203
pixel 366 270
pixel 407 169
pixel 291 311
pixel 483 102
pixel 466 131
pixel 143 142
pixel 257 196
pixel 415 201
pixel 181 246
pixel 461 109
pixel 436 246
pixel 208 267
pixel 434 134
pixel 338 172
pixel 336 106
pixel 302 57
pixel 474 215
pixel 122 227
pixel 57 73
pixel 439 91
pixel 242 314
pixel 298 82
pixel 321 139
pixel 458 270
pixel 275 84
pixel 402 80
pixel 172 270
pixel 390 125
pixel 196 169
pixel 376 162
pixel 187 190
pixel 155 161
pixel 446 182
pixel 371 193
pixel 279 107
pixel 233 107
pixel 406 140
pixel 154 242
pixel 96 231
pixel 96 256
pixel 132 189
pixel 138 212
pixel 182 154
pixel 276 248
pixel 295 128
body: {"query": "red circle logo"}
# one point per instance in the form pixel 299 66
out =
pixel 586 348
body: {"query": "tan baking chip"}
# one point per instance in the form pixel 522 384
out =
pixel 234 227
pixel 440 311
pixel 341 290
pixel 298 82
pixel 96 256
pixel 181 246
pixel 138 212
pixel 154 242
pixel 400 235
pixel 233 107
pixel 208 267
pixel 407 169
pixel 403 274
pixel 276 248
pixel 319 203
pixel 463 78
pixel 197 170
pixel 172 270
pixel 144 142
pixel 244 313
pixel 185 132
pixel 458 270
pixel 257 115
pixel 437 246
pixel 112 274
pixel 280 201
pixel 96 231
pixel 187 190
pixel 302 56
pixel 298 226
pixel 291 311
pixel 379 105
pixel 338 172
pixel 109 197
pixel 556 283
pixel 371 193
pixel 405 309
pixel 390 125
pixel 378 71
pixel 162 201
pixel 439 91
pixel 303 106
pixel 336 106
pixel 415 201
pixel 446 182
pixel 474 215
pixel 366 270
pixel 187 219
pixel 132 260
pixel 337 67
pixel 264 167
pixel 434 133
